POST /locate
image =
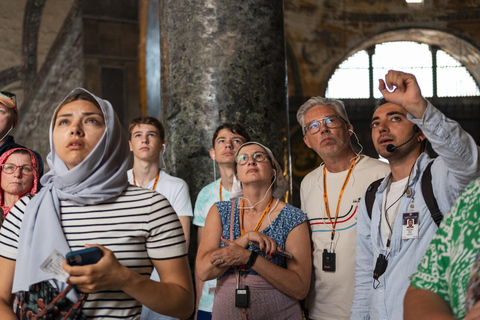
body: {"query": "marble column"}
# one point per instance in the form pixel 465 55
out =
pixel 222 61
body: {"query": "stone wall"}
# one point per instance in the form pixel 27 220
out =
pixel 61 72
pixel 96 48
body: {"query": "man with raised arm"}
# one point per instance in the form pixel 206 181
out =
pixel 386 255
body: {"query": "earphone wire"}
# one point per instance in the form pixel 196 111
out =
pixel 6 134
pixel 358 142
pixel 271 210
pixel 162 164
pixel 214 171
pixel 266 192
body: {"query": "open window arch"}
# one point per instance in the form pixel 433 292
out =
pixel 445 65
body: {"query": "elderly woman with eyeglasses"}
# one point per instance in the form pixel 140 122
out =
pixel 257 246
pixel 19 177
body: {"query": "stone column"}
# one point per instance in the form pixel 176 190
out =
pixel 222 61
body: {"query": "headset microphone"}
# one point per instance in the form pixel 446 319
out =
pixel 391 147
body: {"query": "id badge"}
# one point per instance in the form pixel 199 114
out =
pixel 410 225
pixel 241 297
pixel 328 261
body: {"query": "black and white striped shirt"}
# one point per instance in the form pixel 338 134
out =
pixel 137 226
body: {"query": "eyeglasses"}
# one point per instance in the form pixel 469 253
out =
pixel 257 156
pixel 11 168
pixel 330 122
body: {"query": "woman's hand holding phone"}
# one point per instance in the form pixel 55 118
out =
pixel 90 276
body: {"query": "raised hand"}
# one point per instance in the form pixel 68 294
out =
pixel 403 90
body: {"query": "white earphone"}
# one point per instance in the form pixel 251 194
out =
pixel 213 156
pixel 350 130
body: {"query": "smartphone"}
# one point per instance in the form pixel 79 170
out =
pixel 83 257
pixel 280 253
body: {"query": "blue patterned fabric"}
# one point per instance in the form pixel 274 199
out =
pixel 288 218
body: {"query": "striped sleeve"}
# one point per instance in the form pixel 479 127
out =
pixel 10 232
pixel 165 234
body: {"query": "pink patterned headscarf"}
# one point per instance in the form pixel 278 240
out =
pixel 33 190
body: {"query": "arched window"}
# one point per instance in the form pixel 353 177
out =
pixel 438 73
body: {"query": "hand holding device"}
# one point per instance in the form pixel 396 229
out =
pixel 84 257
pixel 280 253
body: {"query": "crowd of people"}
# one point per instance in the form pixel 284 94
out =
pixel 370 240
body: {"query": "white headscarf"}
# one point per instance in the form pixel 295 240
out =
pixel 100 176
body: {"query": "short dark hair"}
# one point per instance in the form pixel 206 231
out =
pixel 146 120
pixel 380 102
pixel 233 127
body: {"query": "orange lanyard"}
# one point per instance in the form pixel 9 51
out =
pixel 325 197
pixel 154 184
pixel 260 221
pixel 220 191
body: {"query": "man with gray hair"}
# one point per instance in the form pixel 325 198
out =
pixel 330 196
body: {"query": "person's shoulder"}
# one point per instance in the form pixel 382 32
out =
pixel 312 175
pixel 370 164
pixel 292 210
pixel 215 185
pixel 137 192
pixel 171 179
pixel 374 162
pixel 11 144
pixel 292 215
pixel 24 201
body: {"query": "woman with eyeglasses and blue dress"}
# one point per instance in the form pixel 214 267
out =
pixel 256 245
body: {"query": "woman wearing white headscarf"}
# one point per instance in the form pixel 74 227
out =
pixel 243 242
pixel 86 201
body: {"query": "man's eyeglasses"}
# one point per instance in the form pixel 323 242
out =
pixel 330 122
pixel 257 156
pixel 11 168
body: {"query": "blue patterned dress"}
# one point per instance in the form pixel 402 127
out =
pixel 266 301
